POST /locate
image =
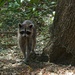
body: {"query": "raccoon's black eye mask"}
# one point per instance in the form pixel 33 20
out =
pixel 22 32
pixel 27 32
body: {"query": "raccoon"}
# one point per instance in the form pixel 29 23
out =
pixel 27 38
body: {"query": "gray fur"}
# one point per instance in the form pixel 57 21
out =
pixel 27 43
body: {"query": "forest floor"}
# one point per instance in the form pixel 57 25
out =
pixel 11 64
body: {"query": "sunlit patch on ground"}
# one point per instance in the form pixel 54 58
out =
pixel 11 63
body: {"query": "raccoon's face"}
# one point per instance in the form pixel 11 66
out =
pixel 26 28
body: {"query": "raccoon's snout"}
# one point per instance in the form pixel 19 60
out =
pixel 25 33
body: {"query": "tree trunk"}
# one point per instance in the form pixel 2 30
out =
pixel 61 47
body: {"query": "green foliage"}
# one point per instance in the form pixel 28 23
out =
pixel 2 2
pixel 13 12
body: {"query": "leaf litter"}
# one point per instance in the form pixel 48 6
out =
pixel 11 63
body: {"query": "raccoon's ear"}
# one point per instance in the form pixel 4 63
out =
pixel 31 25
pixel 20 25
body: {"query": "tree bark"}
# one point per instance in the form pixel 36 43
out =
pixel 61 47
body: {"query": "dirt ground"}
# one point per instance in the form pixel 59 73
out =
pixel 11 63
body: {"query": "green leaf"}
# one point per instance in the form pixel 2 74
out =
pixel 18 1
pixel 35 1
pixel 2 2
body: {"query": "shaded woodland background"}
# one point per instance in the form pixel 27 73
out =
pixel 13 12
